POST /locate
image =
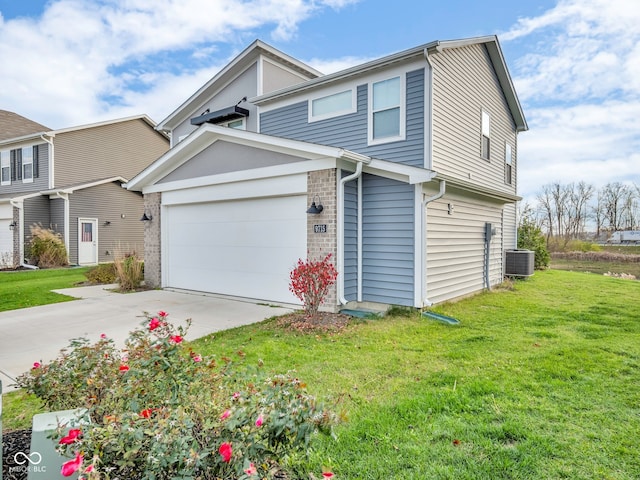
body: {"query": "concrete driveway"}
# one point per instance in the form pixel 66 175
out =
pixel 37 334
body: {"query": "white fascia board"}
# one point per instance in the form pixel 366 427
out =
pixel 398 171
pixel 303 166
pixel 73 188
pixel 32 137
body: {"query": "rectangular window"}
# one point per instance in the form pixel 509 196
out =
pixel 486 135
pixel 386 107
pixel 5 167
pixel 27 165
pixel 508 164
pixel 237 124
pixel 333 105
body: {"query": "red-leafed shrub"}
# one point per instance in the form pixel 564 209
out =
pixel 310 282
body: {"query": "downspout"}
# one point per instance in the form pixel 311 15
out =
pixel 20 206
pixel 65 196
pixel 340 222
pixel 443 186
pixel 51 161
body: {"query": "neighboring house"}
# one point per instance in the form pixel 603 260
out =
pixel 412 156
pixel 70 180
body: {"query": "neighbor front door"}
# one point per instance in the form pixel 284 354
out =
pixel 87 241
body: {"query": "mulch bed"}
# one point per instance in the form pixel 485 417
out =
pixel 322 322
pixel 12 443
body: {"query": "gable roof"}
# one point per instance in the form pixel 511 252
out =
pixel 231 70
pixel 490 42
pixel 13 125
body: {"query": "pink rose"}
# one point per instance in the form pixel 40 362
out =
pixel 72 466
pixel 162 313
pixel 36 365
pixel 226 451
pixel 197 358
pixel 176 338
pixel 252 470
pixel 154 323
pixel 259 421
pixel 71 437
pixel 226 414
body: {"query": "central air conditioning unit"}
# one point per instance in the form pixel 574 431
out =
pixel 519 263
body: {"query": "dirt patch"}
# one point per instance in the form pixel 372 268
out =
pixel 323 322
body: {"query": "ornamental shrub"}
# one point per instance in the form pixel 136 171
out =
pixel 129 271
pixel 530 237
pixel 46 248
pixel 101 274
pixel 310 281
pixel 159 410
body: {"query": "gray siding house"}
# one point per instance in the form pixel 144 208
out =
pixel 70 180
pixel 412 156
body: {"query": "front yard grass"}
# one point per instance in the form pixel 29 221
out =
pixel 29 288
pixel 538 381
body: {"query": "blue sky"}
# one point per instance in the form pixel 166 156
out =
pixel 575 63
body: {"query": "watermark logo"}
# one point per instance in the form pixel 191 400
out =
pixel 34 458
pixel 27 463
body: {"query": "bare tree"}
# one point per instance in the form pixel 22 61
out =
pixel 578 196
pixel 614 197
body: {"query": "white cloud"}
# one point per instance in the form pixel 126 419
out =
pixel 65 63
pixel 328 66
pixel 580 85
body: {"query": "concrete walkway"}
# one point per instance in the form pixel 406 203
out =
pixel 37 334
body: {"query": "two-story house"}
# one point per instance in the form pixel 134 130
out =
pixel 403 168
pixel 70 180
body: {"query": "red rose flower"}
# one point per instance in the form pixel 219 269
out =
pixel 71 437
pixel 36 365
pixel 225 450
pixel 146 413
pixel 124 368
pixel 72 466
pixel 162 313
pixel 176 338
pixel 154 323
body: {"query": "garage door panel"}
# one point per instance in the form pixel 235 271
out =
pixel 243 248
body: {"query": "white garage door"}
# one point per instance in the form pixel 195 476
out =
pixel 243 248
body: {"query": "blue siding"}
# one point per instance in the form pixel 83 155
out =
pixel 350 131
pixel 388 241
pixel 350 239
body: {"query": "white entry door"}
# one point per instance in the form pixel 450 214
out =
pixel 87 241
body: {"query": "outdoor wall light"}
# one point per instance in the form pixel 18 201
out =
pixel 145 217
pixel 107 223
pixel 13 225
pixel 315 209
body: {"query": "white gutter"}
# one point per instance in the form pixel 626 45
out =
pixel 340 232
pixel 443 186
pixel 65 196
pixel 429 127
pixel 51 161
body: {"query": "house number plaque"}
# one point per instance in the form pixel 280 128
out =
pixel 320 228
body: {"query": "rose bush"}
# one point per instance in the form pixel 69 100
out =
pixel 159 410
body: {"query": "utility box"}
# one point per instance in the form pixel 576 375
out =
pixel 519 263
pixel 45 463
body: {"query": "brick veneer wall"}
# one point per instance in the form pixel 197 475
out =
pixel 152 240
pixel 323 184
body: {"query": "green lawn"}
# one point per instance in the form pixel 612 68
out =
pixel 28 288
pixel 539 381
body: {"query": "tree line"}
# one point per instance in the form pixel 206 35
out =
pixel 578 210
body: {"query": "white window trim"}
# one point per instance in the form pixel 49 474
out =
pixel 27 180
pixel 328 93
pixel 508 160
pixel 484 112
pixel 226 124
pixel 5 155
pixel 403 108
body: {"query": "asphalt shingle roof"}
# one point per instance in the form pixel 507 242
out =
pixel 13 125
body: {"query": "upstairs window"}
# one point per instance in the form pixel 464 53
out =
pixel 238 124
pixel 27 165
pixel 386 111
pixel 5 167
pixel 508 165
pixel 333 105
pixel 485 149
